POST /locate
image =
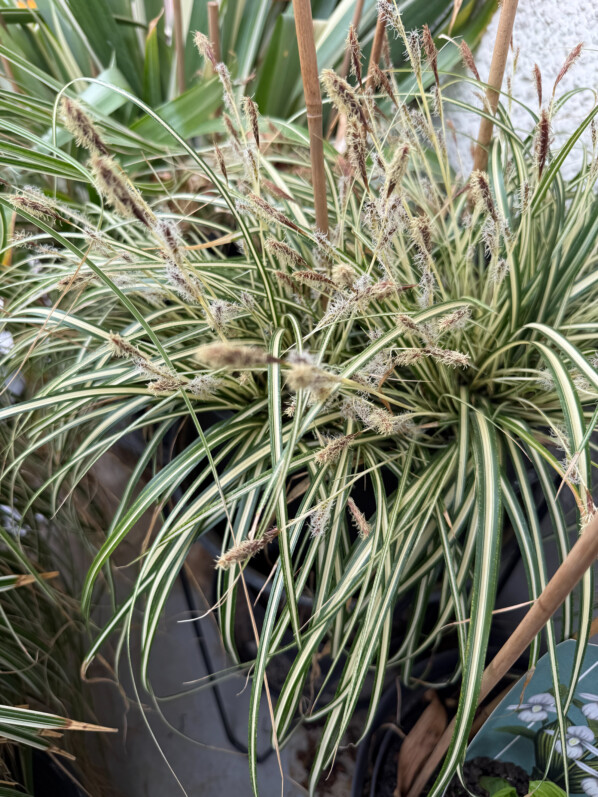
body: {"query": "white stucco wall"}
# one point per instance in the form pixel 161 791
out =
pixel 545 32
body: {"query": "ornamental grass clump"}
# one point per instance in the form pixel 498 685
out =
pixel 365 411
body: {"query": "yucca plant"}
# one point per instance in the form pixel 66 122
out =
pixel 369 408
pixel 147 49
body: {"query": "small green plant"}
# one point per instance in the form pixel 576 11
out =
pixel 424 372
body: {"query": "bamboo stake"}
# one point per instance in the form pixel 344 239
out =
pixel 379 35
pixel 179 45
pixel 579 559
pixel 313 103
pixel 497 71
pixel 214 29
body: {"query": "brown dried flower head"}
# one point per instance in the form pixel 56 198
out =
pixel 542 141
pixel 354 53
pixel 397 169
pixel 481 193
pixel 381 81
pixel 36 204
pixel 431 53
pixel 303 375
pixel 285 254
pixel 343 275
pixel 250 110
pixel 204 45
pixel 333 449
pixel 245 549
pixel 355 138
pixel 569 61
pixel 230 355
pixel 468 59
pixel 80 125
pixel 361 524
pixel 343 96
pixel 220 161
pixel 538 83
pixel 316 280
pixel 454 359
pixel 114 184
pixel 263 210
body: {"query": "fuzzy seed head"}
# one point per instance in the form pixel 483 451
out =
pixel 361 524
pixel 204 45
pixel 456 320
pixel 389 14
pixel 258 207
pixel 220 161
pixel 114 184
pixel 570 60
pixel 431 53
pixel 185 284
pixel 343 275
pixel 481 193
pixel 230 355
pixel 381 81
pixel 538 83
pixel 385 423
pixel 166 384
pixel 284 279
pixel 468 59
pixel 320 519
pixel 79 124
pixel 453 359
pixel 250 110
pixel 356 142
pixel 203 386
pixel 285 254
pixel 316 280
pixel 333 449
pixel 354 53
pixel 221 313
pixel 343 97
pixel 498 271
pixel 121 347
pixel 542 141
pixel 397 169
pixel 306 376
pixel 238 554
pixel 36 204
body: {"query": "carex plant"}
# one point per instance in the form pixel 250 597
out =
pixel 368 407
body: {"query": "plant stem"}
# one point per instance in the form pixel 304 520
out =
pixel 497 71
pixel 214 28
pixel 313 103
pixel 379 34
pixel 179 45
pixel 579 559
